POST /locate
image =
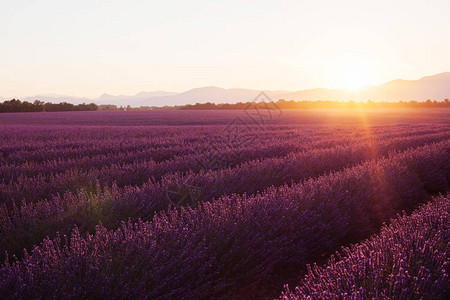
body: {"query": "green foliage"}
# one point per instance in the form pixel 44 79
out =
pixel 39 106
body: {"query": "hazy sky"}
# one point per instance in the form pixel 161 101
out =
pixel 86 48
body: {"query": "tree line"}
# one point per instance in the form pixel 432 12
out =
pixel 15 105
pixel 291 104
pixel 39 106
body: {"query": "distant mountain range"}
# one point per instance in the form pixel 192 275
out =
pixel 435 87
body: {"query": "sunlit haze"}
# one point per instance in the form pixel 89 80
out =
pixel 86 48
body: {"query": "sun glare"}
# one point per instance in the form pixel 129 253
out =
pixel 353 79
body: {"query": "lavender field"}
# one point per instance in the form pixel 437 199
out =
pixel 225 204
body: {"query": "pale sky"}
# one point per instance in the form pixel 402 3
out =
pixel 86 48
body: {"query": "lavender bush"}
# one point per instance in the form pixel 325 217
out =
pixel 165 205
pixel 221 247
pixel 409 259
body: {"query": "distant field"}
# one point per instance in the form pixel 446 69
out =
pixel 214 204
pixel 223 117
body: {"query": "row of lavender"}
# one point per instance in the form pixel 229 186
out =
pixel 44 184
pixel 153 164
pixel 40 180
pixel 235 246
pixel 409 259
pixel 20 145
pixel 23 225
pixel 37 180
pixel 46 150
pixel 40 143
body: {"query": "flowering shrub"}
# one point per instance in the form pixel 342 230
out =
pixel 95 204
pixel 107 206
pixel 213 250
pixel 409 259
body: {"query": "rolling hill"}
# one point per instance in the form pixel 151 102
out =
pixel 435 87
